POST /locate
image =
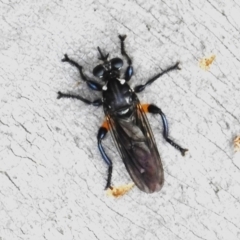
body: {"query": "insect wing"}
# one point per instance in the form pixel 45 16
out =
pixel 137 147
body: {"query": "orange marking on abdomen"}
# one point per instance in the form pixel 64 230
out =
pixel 145 107
pixel 106 124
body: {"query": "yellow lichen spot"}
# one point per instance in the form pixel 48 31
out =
pixel 120 190
pixel 236 143
pixel 206 62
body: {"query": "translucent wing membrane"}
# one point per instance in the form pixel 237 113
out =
pixel 135 142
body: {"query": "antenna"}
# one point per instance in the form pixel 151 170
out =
pixel 103 58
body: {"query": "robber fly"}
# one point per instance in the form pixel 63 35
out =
pixel 125 118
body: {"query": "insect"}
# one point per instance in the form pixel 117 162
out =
pixel 126 119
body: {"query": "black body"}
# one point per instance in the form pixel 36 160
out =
pixel 126 119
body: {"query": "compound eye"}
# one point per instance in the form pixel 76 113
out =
pixel 116 63
pixel 99 71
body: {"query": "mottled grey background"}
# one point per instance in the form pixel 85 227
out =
pixel 51 173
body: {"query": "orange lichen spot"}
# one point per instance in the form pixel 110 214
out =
pixel 236 143
pixel 206 62
pixel 77 84
pixel 145 107
pixel 120 190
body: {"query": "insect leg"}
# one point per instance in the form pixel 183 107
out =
pixel 97 102
pixel 129 71
pixel 155 110
pixel 101 134
pixel 91 84
pixel 140 88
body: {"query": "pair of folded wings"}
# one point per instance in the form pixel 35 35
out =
pixel 137 147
